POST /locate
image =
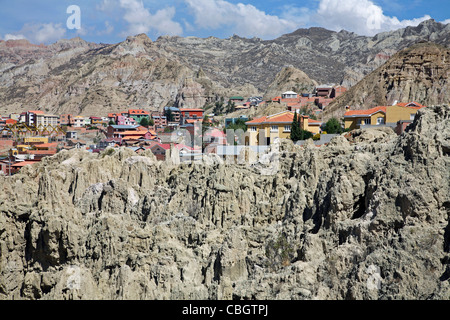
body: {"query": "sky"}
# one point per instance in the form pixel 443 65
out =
pixel 111 21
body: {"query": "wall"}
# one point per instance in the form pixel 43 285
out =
pixel 397 113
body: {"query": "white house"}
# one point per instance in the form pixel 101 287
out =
pixel 289 95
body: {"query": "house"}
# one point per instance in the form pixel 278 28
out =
pixel 337 91
pixel 47 146
pixel 115 130
pixel 39 154
pixel 78 121
pixel 47 120
pixel 324 91
pixel 125 121
pixel 381 115
pixel 236 99
pixel 66 120
pixel 29 117
pixel 353 119
pixel 35 140
pixel 15 168
pixel 138 114
pixel 159 120
pixel 159 150
pixel 96 120
pixel 289 95
pixel 77 144
pixel 191 114
pixel 110 142
pixel 71 134
pixel 173 114
pixel 112 117
pixel 262 131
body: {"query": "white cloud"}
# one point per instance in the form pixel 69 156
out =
pixel 43 32
pixel 14 37
pixel 243 19
pixel 140 20
pixel 360 16
pixel 39 33
pixel 445 21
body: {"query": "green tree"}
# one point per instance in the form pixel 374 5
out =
pixel 144 122
pixel 169 115
pixel 305 135
pixel 295 128
pixel 238 124
pixel 333 126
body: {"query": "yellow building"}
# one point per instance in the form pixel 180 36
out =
pixel 35 140
pixel 263 131
pixel 381 115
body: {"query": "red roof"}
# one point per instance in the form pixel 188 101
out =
pixel 42 152
pixel 285 117
pixel 23 163
pixel 36 111
pixel 10 121
pixel 137 111
pixel 47 145
pixel 193 110
pixel 368 112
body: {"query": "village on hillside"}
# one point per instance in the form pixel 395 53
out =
pixel 29 136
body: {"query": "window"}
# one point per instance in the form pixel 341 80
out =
pixel 287 128
pixel 274 129
pixel 411 116
pixel 253 129
pixel 365 121
pixel 380 120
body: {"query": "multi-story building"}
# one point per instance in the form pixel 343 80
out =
pixel 78 121
pixel 138 114
pixel 191 114
pixel 66 120
pixel 173 114
pixel 159 120
pixel 47 120
pixel 263 131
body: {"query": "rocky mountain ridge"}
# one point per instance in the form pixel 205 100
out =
pixel 365 217
pixel 73 76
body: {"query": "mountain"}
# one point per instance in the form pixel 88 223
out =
pixel 290 79
pixel 80 77
pixel 419 73
pixel 365 220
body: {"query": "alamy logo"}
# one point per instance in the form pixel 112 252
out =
pixel 74 20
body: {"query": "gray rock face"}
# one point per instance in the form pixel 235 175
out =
pixel 361 220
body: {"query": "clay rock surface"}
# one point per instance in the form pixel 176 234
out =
pixel 366 219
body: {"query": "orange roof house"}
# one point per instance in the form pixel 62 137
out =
pixel 276 126
pixel 381 115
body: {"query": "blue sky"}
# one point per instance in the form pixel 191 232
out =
pixel 111 21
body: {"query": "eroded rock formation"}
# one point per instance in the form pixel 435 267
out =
pixel 365 217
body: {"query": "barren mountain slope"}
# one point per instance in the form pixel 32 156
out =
pixel 79 77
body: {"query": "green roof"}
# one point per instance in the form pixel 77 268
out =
pixel 237 98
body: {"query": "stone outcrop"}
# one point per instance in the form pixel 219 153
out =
pixel 361 219
pixel 419 73
pixel 290 79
